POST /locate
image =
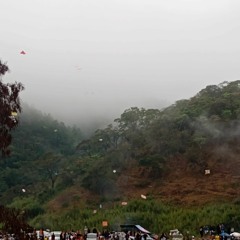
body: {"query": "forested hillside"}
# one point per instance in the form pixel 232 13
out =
pixel 40 149
pixel 150 148
pixel 162 154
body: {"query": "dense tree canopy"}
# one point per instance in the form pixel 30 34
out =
pixel 188 127
pixel 48 157
pixel 9 108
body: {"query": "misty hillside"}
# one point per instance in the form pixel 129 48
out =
pixel 162 154
pixel 165 153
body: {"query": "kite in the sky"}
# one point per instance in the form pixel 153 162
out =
pixel 78 68
pixel 22 52
pixel 143 196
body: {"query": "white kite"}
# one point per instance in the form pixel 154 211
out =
pixel 207 171
pixel 143 196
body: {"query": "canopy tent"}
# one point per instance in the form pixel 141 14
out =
pixel 133 227
pixel 140 228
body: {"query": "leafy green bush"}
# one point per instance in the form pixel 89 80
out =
pixel 153 215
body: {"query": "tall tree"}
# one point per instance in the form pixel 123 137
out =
pixel 9 108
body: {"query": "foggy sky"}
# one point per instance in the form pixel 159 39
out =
pixel 93 59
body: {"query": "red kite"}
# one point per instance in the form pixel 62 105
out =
pixel 22 52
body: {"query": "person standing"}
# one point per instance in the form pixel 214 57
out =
pixel 41 234
pixel 163 236
pixel 201 231
pixel 53 236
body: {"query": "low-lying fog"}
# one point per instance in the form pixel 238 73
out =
pixel 87 61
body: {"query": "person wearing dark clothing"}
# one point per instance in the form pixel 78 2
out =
pixel 127 235
pixel 53 237
pixel 163 236
pixel 138 236
pixel 144 236
pixel 201 231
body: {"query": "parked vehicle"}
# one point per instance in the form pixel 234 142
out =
pixel 235 235
pixel 175 235
pixel 92 236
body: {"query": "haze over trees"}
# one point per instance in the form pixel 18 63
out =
pixel 187 128
pixel 155 151
pixel 139 137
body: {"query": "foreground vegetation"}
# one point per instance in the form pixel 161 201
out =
pixel 155 216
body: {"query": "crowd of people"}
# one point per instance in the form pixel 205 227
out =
pixel 219 232
pixel 85 235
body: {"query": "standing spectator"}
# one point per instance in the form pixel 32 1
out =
pixel 41 234
pixel 53 237
pixel 138 236
pixel 163 236
pixel 144 236
pixel 201 231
